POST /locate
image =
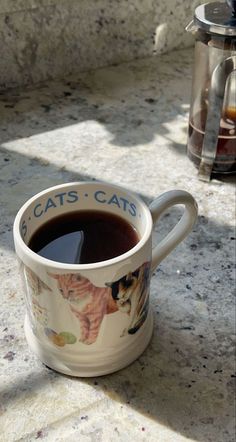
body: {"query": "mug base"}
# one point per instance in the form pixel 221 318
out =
pixel 90 365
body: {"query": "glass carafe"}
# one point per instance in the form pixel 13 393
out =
pixel 212 118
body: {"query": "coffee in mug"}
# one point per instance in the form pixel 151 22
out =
pixel 84 237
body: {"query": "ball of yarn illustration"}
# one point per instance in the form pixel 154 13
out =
pixel 60 339
pixel 68 337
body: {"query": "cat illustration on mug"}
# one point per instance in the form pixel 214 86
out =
pixel 90 303
pixel 131 294
pixel 34 287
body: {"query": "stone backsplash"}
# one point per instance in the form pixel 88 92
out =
pixel 46 39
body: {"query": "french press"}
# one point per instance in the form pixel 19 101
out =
pixel 212 119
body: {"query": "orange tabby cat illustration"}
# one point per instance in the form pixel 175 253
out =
pixel 90 304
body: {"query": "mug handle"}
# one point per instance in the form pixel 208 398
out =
pixel 181 229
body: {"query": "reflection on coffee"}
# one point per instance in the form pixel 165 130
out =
pixel 84 237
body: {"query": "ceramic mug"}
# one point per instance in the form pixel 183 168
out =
pixel 107 328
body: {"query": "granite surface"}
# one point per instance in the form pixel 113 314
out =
pixel 46 39
pixel 125 124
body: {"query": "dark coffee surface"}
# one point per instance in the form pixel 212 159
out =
pixel 84 237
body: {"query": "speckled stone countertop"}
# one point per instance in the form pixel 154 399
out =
pixel 125 124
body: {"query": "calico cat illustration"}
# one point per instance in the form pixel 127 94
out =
pixel 132 292
pixel 90 304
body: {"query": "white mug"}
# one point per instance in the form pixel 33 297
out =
pixel 104 328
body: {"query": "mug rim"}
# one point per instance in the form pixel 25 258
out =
pixel 40 260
